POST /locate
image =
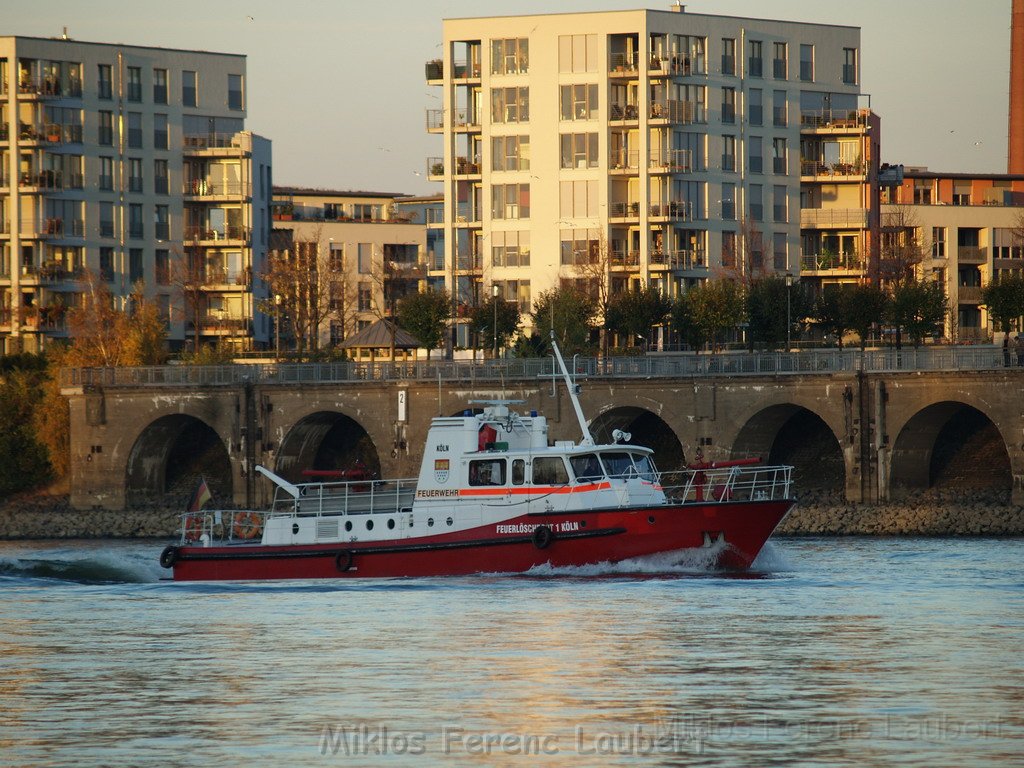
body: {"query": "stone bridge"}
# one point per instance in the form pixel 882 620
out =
pixel 870 427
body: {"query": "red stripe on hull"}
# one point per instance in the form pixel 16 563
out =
pixel 591 537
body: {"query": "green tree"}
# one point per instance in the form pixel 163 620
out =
pixel 482 318
pixel 866 308
pixel 1004 300
pixel 570 313
pixel 23 459
pixel 703 313
pixel 635 313
pixel 833 310
pixel 425 316
pixel 917 307
pixel 770 305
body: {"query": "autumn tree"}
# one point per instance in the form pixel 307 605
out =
pixel 832 311
pixel 902 245
pixel 866 309
pixel 702 314
pixel 916 307
pixel 425 316
pixel 1004 300
pixel 508 316
pixel 634 313
pixel 24 460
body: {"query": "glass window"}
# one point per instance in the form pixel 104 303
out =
pixel 779 156
pixel 755 106
pixel 780 63
pixel 586 467
pixel 728 153
pixel 106 219
pixel 518 471
pixel 161 223
pixel 134 174
pixel 780 109
pixel 135 228
pixel 756 162
pixel 159 86
pixel 162 267
pixel 510 57
pixel 780 208
pixel 806 62
pixel 755 64
pixel 728 105
pixel 104 84
pixel 135 272
pixel 728 56
pixel 135 130
pixel 134 79
pixel 236 98
pixel 188 89
pixel 160 139
pixel 107 262
pixel 618 464
pixel 579 102
pixel 850 66
pixel 728 201
pixel 579 150
pixel 106 126
pixel 487 472
pixel 549 470
pixel 160 185
pixel 106 180
pixel 365 258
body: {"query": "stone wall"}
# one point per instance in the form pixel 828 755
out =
pixel 932 513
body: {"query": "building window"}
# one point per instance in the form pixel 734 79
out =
pixel 780 109
pixel 510 57
pixel 922 193
pixel 755 106
pixel 106 135
pixel 510 153
pixel 188 89
pixel 159 86
pixel 728 153
pixel 236 98
pixel 779 156
pixel 510 201
pixel 728 56
pixel 135 228
pixel 580 246
pixel 364 258
pixel 756 162
pixel 728 105
pixel 365 297
pixel 106 180
pixel 579 150
pixel 135 273
pixel 806 62
pixel 780 207
pixel 160 139
pixel 510 105
pixel 134 174
pixel 160 185
pixel 577 53
pixel 938 242
pixel 161 224
pixel 780 252
pixel 755 62
pixel 850 66
pixel 728 201
pixel 510 249
pixel 729 260
pixel 780 63
pixel 578 199
pixel 162 267
pixel 135 130
pixel 134 79
pixel 104 84
pixel 579 102
pixel 756 202
pixel 107 263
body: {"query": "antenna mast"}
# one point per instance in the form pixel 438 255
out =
pixel 573 392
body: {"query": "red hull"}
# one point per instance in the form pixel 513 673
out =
pixel 579 538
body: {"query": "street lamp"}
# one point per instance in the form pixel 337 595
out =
pixel 277 325
pixel 494 293
pixel 789 321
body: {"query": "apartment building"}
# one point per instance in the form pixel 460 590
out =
pixel 635 146
pixel 133 163
pixel 967 228
pixel 361 252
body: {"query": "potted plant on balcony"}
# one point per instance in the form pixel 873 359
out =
pixel 437 169
pixel 435 69
pixel 284 212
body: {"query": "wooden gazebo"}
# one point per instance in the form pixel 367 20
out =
pixel 374 343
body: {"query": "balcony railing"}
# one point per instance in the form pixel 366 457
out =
pixel 209 141
pixel 834 118
pixel 624 112
pixel 467 167
pixel 831 218
pixel 678 260
pixel 434 69
pixel 42 180
pixel 469 261
pixel 822 262
pixel 205 234
pixel 223 276
pixel 671 160
pixel 814 168
pixel 435 119
pixel 624 159
pixel 673 111
pixel 207 188
pixel 624 259
pixel 624 210
pixel 435 167
pixel 969 294
pixel 972 255
pixel 672 209
pixel 622 64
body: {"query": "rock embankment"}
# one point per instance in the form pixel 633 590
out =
pixel 929 513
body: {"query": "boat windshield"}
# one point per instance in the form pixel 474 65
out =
pixel 586 467
pixel 624 465
pixel 645 467
pixel 618 464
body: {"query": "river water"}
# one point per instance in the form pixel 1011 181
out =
pixel 905 652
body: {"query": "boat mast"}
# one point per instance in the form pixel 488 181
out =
pixel 573 392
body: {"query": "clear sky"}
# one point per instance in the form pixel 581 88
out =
pixel 339 85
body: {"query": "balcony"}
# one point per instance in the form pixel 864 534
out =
pixel 59 228
pixel 469 262
pixel 623 112
pixel 834 121
pixel 672 111
pixel 42 181
pixel 622 65
pixel 831 262
pixel 233 234
pixel 624 161
pixel 671 210
pixel 465 120
pixel 628 210
pixel 219 325
pixel 435 168
pixel 681 260
pixel 971 255
pixel 205 188
pixel 435 120
pixel 467 167
pixel 622 259
pixel 434 70
pixel 48 87
pixel 833 218
pixel 663 65
pixel 969 294
pixel 670 161
pixel 216 276
pixel 406 270
pixel 211 144
pixel 815 170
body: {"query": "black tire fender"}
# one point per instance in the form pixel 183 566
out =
pixel 543 536
pixel 169 557
pixel 343 560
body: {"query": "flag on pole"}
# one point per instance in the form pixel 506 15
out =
pixel 200 497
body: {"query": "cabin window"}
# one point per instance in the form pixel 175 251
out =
pixel 487 472
pixel 645 467
pixel 518 471
pixel 550 470
pixel 619 464
pixel 586 467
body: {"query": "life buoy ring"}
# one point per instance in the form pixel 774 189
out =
pixel 247 524
pixel 343 560
pixel 169 557
pixel 542 536
pixel 194 526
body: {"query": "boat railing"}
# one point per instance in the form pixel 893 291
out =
pixel 356 497
pixel 722 484
pixel 222 525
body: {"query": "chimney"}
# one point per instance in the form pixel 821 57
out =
pixel 1016 127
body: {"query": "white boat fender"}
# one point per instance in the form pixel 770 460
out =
pixel 542 536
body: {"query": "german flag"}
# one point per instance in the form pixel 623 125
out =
pixel 200 497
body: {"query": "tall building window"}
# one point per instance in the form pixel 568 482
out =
pixel 756 161
pixel 236 98
pixel 780 109
pixel 135 273
pixel 134 174
pixel 364 258
pixel 510 57
pixel 162 267
pixel 365 298
pixel 728 105
pixel 780 62
pixel 160 183
pixel 579 102
pixel 161 223
pixel 134 80
pixel 780 252
pixel 779 156
pixel 579 150
pixel 135 130
pixel 580 246
pixel 850 66
pixel 510 105
pixel 106 219
pixel 806 62
pixel 728 200
pixel 938 242
pixel 729 255
pixel 578 199
pixel 107 263
pixel 188 89
pixel 510 153
pixel 106 179
pixel 728 56
pixel 510 201
pixel 755 61
pixel 135 228
pixel 159 86
pixel 106 128
pixel 756 202
pixel 780 204
pixel 104 84
pixel 577 53
pixel 755 106
pixel 728 153
pixel 510 249
pixel 160 138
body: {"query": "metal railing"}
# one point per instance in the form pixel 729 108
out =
pixel 722 484
pixel 665 365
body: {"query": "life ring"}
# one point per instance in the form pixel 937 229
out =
pixel 194 526
pixel 247 524
pixel 169 557
pixel 343 560
pixel 542 536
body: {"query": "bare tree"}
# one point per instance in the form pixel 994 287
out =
pixel 187 275
pixel 902 246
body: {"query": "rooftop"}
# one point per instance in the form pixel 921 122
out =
pixel 314 192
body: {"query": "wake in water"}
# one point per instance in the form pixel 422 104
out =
pixel 88 565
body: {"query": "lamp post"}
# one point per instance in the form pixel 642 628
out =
pixel 494 294
pixel 789 322
pixel 277 325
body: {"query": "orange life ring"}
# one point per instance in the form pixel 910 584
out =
pixel 194 526
pixel 247 524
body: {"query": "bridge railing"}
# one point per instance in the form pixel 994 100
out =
pixel 667 365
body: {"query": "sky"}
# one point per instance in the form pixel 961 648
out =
pixel 339 85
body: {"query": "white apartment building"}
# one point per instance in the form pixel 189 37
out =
pixel 627 146
pixel 133 163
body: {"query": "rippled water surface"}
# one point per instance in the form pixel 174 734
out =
pixel 835 652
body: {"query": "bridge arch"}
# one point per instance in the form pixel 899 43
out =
pixel 949 444
pixel 325 439
pixel 170 454
pixel 646 428
pixel 793 434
